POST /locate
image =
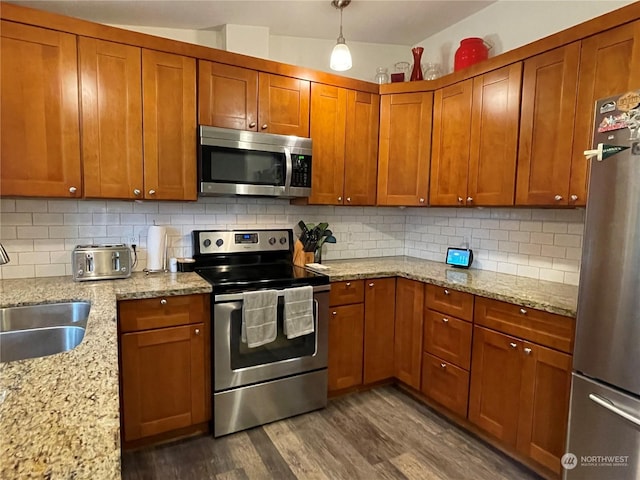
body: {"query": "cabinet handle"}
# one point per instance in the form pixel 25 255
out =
pixel 574 198
pixel 422 200
pixel 136 192
pixel 445 320
pixel 163 301
pixel 523 311
pixel 348 199
pixel 334 313
pixel 264 127
pixel 446 292
pixel 557 198
pixel 197 331
pixel 348 284
pixel 339 199
pixel 527 351
pixel 459 199
pixel 469 199
pixel 443 365
pixel 372 284
pixel 513 345
pixel 252 124
pixel 73 189
pixel 152 192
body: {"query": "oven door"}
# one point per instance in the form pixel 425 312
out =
pixel 235 364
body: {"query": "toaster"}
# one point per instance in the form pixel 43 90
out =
pixel 101 262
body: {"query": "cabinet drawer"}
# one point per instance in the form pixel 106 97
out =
pixel 548 329
pixel 345 293
pixel 160 312
pixel 453 302
pixel 448 338
pixel 446 384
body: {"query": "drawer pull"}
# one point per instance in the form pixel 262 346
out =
pixel 445 320
pixel 523 311
pixel 446 292
pixel 527 351
pixel 348 284
pixel 334 313
pixel 513 345
pixel 372 284
pixel 163 301
pixel 443 365
pixel 197 331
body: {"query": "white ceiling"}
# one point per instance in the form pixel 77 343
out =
pixel 376 21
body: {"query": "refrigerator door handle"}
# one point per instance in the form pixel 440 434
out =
pixel 609 405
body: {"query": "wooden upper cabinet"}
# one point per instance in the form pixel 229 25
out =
pixel 609 64
pixel 328 124
pixel 494 137
pixel 227 96
pixel 379 315
pixel 361 148
pixel 405 145
pixel 283 105
pixel 546 126
pixel 39 116
pixel 408 331
pixel 169 100
pixel 451 144
pixel 111 99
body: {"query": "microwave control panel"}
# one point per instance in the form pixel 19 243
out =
pixel 301 174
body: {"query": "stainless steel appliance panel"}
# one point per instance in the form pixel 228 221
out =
pixel 247 407
pixel 604 433
pixel 608 326
pixel 226 377
pixel 101 262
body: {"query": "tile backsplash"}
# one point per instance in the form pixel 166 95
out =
pixel 40 234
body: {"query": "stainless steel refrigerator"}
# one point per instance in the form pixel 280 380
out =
pixel 604 419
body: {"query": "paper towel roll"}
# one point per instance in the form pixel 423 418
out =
pixel 156 248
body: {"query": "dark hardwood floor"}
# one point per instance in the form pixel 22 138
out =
pixel 378 434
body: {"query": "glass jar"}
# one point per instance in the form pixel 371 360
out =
pixel 404 68
pixel 382 75
pixel 432 71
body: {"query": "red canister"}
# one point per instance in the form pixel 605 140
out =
pixel 471 50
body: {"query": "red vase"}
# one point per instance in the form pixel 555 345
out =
pixel 471 51
pixel 416 73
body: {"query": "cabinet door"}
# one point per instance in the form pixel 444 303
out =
pixel 451 144
pixel 494 137
pixel 446 384
pixel 448 338
pixel 496 375
pixel 609 64
pixel 169 106
pixel 379 313
pixel 546 126
pixel 111 98
pixel 227 96
pixel 408 331
pixel 405 145
pixel 361 149
pixel 39 125
pixel 346 331
pixel 283 105
pixel 544 405
pixel 163 380
pixel 328 120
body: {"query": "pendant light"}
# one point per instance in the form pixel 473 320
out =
pixel 341 56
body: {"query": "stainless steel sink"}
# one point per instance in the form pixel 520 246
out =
pixel 40 330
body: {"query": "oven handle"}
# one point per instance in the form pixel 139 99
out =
pixel 233 297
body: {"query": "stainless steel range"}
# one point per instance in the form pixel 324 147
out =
pixel 285 377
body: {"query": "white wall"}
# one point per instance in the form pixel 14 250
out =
pixel 208 38
pixel 509 24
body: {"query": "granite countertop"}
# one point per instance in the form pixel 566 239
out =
pixel 539 294
pixel 59 415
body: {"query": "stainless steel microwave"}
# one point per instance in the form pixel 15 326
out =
pixel 237 162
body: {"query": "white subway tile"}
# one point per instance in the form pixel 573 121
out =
pixel 16 219
pixel 51 270
pixel 33 258
pixel 541 262
pixel 105 218
pixel 527 271
pixel 531 226
pixel 490 224
pixel 31 205
pixel 543 214
pixel 92 206
pixel 17 271
pixel 522 237
pixel 509 225
pixel 193 208
pixel 518 259
pixel 554 227
pixel 530 249
pixel 499 235
pixel 511 247
pixel 16 246
pixel 8 232
pixel 571 278
pixel 499 257
pixel 32 232
pixel 62 232
pixel 60 256
pixel 486 265
pixel 447 231
pixel 519 214
pixel 481 212
pixel 133 218
pixel 489 244
pixel 92 231
pixel 567 240
pixel 70 243
pixel 574 253
pixel 481 233
pixel 62 206
pixel 542 238
pixel 510 268
pixel 457 222
pixel 78 219
pixel 157 219
pixel 147 207
pixel 573 216
pixel 48 219
pixel 551 251
pixel 565 265
pixel 500 213
pixel 119 207
pixel 9 205
pixel 551 275
pixel 575 228
pixel 119 231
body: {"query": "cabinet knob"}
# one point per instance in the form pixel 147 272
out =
pixel 527 351
pixel 446 292
pixel 334 313
pixel 422 200
pixel 443 365
pixel 523 311
pixel 264 127
pixel 163 301
pixel 339 199
pixel 152 192
pixel 73 189
pixel 513 345
pixel 348 284
pixel 574 198
pixel 469 199
pixel 557 198
pixel 136 192
pixel 348 199
pixel 372 284
pixel 252 125
pixel 460 199
pixel 445 320
pixel 197 331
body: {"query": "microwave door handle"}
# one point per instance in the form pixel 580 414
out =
pixel 288 167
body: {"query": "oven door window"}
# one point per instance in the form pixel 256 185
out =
pixel 238 166
pixel 280 349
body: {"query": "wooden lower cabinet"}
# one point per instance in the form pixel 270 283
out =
pixel 379 311
pixel 445 383
pixel 346 333
pixel 408 331
pixel 165 372
pixel 448 338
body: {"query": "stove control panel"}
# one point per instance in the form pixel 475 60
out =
pixel 235 241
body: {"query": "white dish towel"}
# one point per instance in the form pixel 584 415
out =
pixel 259 317
pixel 298 311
